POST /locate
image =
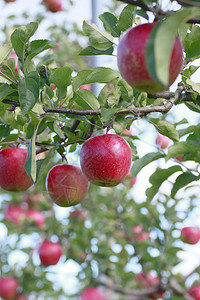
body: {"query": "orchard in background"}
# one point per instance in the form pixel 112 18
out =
pixel 104 183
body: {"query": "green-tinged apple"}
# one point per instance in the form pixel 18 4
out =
pixel 162 141
pixel 131 59
pixel 8 287
pixel 93 293
pixel 13 176
pixel 66 185
pixel 49 253
pixel 106 159
pixel 190 235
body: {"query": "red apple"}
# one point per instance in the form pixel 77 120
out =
pixel 162 141
pixel 137 229
pixel 9 1
pixel 179 158
pixel 21 297
pixel 194 291
pixel 106 159
pixel 128 131
pixel 54 5
pixel 35 216
pixel 49 253
pixel 86 87
pixel 190 235
pixel 8 287
pixel 14 55
pixel 13 176
pixel 132 61
pixel 15 214
pixel 53 86
pixel 138 234
pixel 149 281
pixel 92 293
pixel 66 185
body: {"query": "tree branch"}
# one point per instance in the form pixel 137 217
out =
pixel 190 3
pixel 173 284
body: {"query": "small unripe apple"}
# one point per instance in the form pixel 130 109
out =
pixel 190 235
pixel 15 214
pixel 35 216
pixel 194 291
pixel 13 176
pixel 66 185
pixel 131 59
pixel 106 159
pixel 49 253
pixel 92 293
pixel 8 287
pixel 162 141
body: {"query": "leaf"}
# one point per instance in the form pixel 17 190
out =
pixel 126 18
pixel 30 164
pixel 195 86
pixel 160 43
pixel 86 100
pixel 187 130
pixel 58 130
pixel 166 128
pixel 107 113
pixel 5 90
pixel 99 39
pixel 21 36
pixel 194 138
pixel 110 93
pixel 140 163
pixel 109 23
pixel 193 106
pixel 158 177
pixel 180 148
pixel 183 180
pixel 192 44
pixel 98 74
pixel 141 100
pixel 4 52
pixel 61 77
pixel 28 90
pixel 88 51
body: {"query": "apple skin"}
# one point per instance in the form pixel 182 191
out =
pixel 54 5
pixel 49 253
pixel 93 293
pixel 15 214
pixel 66 185
pixel 190 235
pixel 36 216
pixel 13 176
pixel 106 159
pixel 162 141
pixel 86 87
pixel 8 287
pixel 21 297
pixel 194 291
pixel 132 61
pixel 179 158
pixel 9 1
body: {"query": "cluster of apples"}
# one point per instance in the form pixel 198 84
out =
pixel 53 5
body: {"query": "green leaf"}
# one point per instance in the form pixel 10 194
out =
pixel 193 106
pixel 140 163
pixel 183 180
pixel 4 52
pixel 192 44
pixel 158 177
pixel 166 128
pixel 187 130
pixel 88 51
pixel 58 130
pixel 61 77
pixel 110 94
pixel 141 100
pixel 109 23
pixel 126 18
pixel 194 139
pixel 98 74
pixel 30 164
pixel 5 90
pixel 99 39
pixel 86 100
pixel 178 149
pixel 107 113
pixel 21 36
pixel 160 43
pixel 28 90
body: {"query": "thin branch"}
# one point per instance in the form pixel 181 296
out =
pixel 8 78
pixel 173 284
pixel 190 3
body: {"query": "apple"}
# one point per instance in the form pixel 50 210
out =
pixel 15 214
pixel 66 185
pixel 190 235
pixel 106 159
pixel 137 229
pixel 13 176
pixel 9 1
pixel 92 293
pixel 162 141
pixel 86 87
pixel 8 287
pixel 138 234
pixel 14 55
pixel 132 61
pixel 54 5
pixel 179 158
pixel 21 297
pixel 128 131
pixel 49 253
pixel 149 281
pixel 36 216
pixel 53 86
pixel 194 291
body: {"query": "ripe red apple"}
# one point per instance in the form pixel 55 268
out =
pixel 8 287
pixel 13 176
pixel 162 141
pixel 179 158
pixel 194 291
pixel 49 253
pixel 106 159
pixel 9 1
pixel 35 216
pixel 54 5
pixel 128 131
pixel 190 235
pixel 86 87
pixel 92 293
pixel 67 185
pixel 15 214
pixel 132 61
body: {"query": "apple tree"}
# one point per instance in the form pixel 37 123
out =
pixel 75 159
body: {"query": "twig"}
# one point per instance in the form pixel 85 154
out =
pixel 173 284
